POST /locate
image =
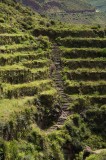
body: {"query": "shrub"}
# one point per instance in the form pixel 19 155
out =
pixel 101 156
pixel 2 20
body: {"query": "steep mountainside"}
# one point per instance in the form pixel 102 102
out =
pixel 52 86
pixel 99 4
pixel 59 5
pixel 74 11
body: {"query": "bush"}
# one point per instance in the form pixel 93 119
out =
pixel 101 156
pixel 2 20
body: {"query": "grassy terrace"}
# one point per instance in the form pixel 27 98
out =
pixel 25 89
pixel 6 39
pixel 82 42
pixel 83 52
pixel 85 74
pixel 83 62
pixel 87 63
pixel 88 87
pixel 5 28
pixel 17 47
pixel 16 57
pixel 36 63
pixel 9 107
pixel 20 75
pixel 72 31
pixel 93 97
pixel 24 76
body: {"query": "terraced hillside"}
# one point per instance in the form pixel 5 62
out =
pixel 24 72
pixel 83 63
pixel 52 86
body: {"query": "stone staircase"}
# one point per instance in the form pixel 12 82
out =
pixel 57 78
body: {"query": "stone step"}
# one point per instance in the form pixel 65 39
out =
pixel 64 101
pixel 66 104
pixel 64 116
pixel 65 107
pixel 64 97
pixel 56 127
pixel 57 59
pixel 66 112
pixel 58 73
pixel 57 63
pixel 59 67
pixel 59 85
pixel 59 80
pixel 62 94
pixel 61 122
pixel 57 77
pixel 61 90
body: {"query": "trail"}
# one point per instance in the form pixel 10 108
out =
pixel 57 78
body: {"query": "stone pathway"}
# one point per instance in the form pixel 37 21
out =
pixel 57 77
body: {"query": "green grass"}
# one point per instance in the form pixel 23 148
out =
pixel 78 70
pixel 19 57
pixel 16 47
pixel 85 83
pixel 29 85
pixel 27 88
pixel 36 63
pixel 98 59
pixel 51 91
pixel 84 63
pixel 11 67
pixel 83 52
pixel 82 42
pixel 10 107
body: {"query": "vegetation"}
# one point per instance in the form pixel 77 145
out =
pixel 30 101
pixel 74 11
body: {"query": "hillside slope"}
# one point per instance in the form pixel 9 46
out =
pixel 52 86
pixel 59 6
pixel 74 11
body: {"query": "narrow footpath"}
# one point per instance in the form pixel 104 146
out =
pixel 57 78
